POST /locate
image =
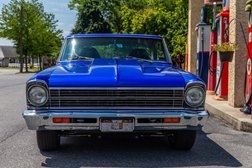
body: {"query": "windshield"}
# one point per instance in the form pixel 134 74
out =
pixel 106 47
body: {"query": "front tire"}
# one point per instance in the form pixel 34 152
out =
pixel 182 140
pixel 48 140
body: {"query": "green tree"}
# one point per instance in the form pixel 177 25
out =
pixel 109 10
pixel 46 38
pixel 10 24
pixel 167 18
pixel 40 36
pixel 90 19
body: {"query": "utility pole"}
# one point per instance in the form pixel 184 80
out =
pixel 21 37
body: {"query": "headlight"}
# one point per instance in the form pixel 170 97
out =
pixel 37 95
pixel 195 96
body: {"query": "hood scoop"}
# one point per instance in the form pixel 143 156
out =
pixel 115 73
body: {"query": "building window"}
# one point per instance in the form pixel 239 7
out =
pixel 12 60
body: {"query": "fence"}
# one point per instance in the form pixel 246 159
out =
pixel 17 65
pixel 14 65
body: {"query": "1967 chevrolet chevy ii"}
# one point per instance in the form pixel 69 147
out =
pixel 115 83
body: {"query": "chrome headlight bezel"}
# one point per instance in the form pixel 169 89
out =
pixel 41 86
pixel 200 88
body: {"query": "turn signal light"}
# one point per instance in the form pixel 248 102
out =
pixel 172 120
pixel 61 120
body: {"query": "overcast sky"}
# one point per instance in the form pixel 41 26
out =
pixel 59 8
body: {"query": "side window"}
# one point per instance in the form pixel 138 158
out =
pixel 160 52
pixel 67 51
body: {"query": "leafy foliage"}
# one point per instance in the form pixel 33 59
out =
pixel 225 47
pixel 167 18
pixel 40 35
pixel 209 9
pixel 90 19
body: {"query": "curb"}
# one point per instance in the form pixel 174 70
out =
pixel 229 114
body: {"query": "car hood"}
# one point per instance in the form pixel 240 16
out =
pixel 114 73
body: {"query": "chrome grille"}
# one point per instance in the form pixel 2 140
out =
pixel 117 98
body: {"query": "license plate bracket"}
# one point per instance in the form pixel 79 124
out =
pixel 117 124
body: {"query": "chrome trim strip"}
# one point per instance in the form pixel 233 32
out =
pixel 106 108
pixel 116 88
pixel 204 96
pixel 37 121
pixel 92 113
pixel 138 128
pixel 40 83
pixel 102 111
pixel 37 80
pixel 116 97
pixel 197 83
pixel 176 97
pixel 41 86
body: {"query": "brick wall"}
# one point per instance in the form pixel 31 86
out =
pixel 194 18
pixel 238 66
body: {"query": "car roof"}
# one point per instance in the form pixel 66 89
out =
pixel 115 35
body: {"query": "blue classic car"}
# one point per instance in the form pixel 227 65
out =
pixel 115 83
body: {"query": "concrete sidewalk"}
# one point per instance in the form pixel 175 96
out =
pixel 7 71
pixel 230 115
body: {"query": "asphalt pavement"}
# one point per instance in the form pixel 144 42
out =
pixel 218 145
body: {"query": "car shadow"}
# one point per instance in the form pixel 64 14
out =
pixel 113 151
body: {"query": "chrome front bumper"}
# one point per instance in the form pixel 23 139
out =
pixel 43 120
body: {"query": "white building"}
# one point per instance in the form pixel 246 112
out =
pixel 8 55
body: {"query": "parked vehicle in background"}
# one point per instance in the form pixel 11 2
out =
pixel 116 83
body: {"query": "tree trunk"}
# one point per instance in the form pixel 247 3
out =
pixel 26 52
pixel 21 39
pixel 32 61
pixel 39 60
pixel 21 63
pixel 26 63
pixel 42 63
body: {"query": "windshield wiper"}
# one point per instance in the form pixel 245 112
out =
pixel 77 57
pixel 137 58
